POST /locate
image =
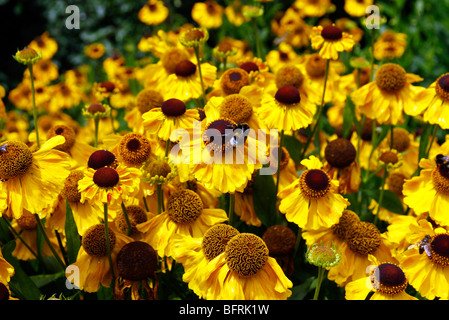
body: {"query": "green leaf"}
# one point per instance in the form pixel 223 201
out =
pixel 72 235
pixel 390 201
pixel 348 117
pixel 44 279
pixel 294 147
pixel 264 199
pixel 300 291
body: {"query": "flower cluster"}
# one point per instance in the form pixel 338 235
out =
pixel 226 166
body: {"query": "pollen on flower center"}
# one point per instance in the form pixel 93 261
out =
pixel 332 33
pixel 65 131
pixel 137 261
pixel 222 127
pixel 340 153
pixel 440 179
pixel 94 240
pixel 236 107
pixel 347 219
pixel 216 238
pixel 106 177
pixel 185 68
pixel 70 190
pixel 148 99
pixel 442 86
pixel 287 95
pixel 363 238
pixel 246 254
pixel 439 245
pixel 134 148
pixel 172 57
pixel 391 77
pixel 184 206
pixel 136 214
pixel 316 66
pixel 15 159
pixel 100 158
pixel 173 107
pixel 280 240
pixel 289 75
pixel 233 80
pixel 314 183
pixel 389 279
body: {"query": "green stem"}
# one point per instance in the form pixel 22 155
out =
pixel 21 239
pixel 298 241
pixel 160 198
pixel 47 240
pixel 231 208
pixel 108 245
pixel 321 271
pixel 320 111
pixel 391 136
pixel 256 38
pixel 128 223
pixel 30 68
pixel 197 54
pixel 97 123
pixel 167 147
pixel 381 195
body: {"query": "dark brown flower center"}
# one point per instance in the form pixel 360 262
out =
pixel 332 33
pixel 106 177
pixel 137 261
pixel 340 153
pixel 317 180
pixel 100 158
pixel 390 279
pixel 173 107
pixel 444 82
pixel 185 68
pixel 216 132
pixel 288 95
pixel 249 66
pixel 94 240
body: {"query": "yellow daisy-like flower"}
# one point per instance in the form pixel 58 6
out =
pixel 154 12
pixel 435 101
pixel 425 262
pixel 389 95
pixel 92 263
pixel 330 41
pixel 208 14
pixel 95 50
pixel 172 115
pixel 390 45
pixel 185 215
pixel 312 8
pixel 357 8
pixel 386 279
pixel 286 110
pixel 429 192
pixel 185 82
pixel 109 185
pixel 27 56
pixel 245 271
pixel 32 180
pixel 45 44
pixel 311 200
pixel 195 253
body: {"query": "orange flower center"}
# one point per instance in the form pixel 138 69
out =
pixel 391 77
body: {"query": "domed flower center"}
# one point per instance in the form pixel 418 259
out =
pixel 173 107
pixel 316 66
pixel 194 34
pixel 246 254
pixel 389 279
pixel 347 220
pixel 233 80
pixel 249 66
pixel 363 238
pixel 395 182
pixel 136 214
pixel 439 245
pixel 440 178
pixel 289 75
pixel 314 183
pixel 15 159
pixel 391 77
pixel 95 108
pixel 401 139
pixel 159 168
pixel 236 107
pixel 100 158
pixel 148 99
pixel 322 256
pixel 27 221
pixel 389 157
pixel 94 241
pixel 184 206
pixel 137 261
pixel 106 177
pixel 216 238
pixel 287 95
pixel 185 68
pixel 70 190
pixel 280 240
pixel 442 86
pixel 340 153
pixel 214 137
pixel 65 131
pixel 134 148
pixel 172 58
pixel 331 33
pixel 107 86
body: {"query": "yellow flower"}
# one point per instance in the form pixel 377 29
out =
pixel 312 8
pixel 184 215
pixel 32 180
pixel 64 96
pixel 435 101
pixel 330 41
pixel 245 271
pixel 27 56
pixel 389 95
pixel 172 115
pixel 386 279
pixel 208 14
pixel 95 50
pixel 428 192
pixel 286 110
pixel 425 262
pixel 45 44
pixel 44 71
pixel 154 12
pixel 311 200
pixel 390 45
pixel 357 8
